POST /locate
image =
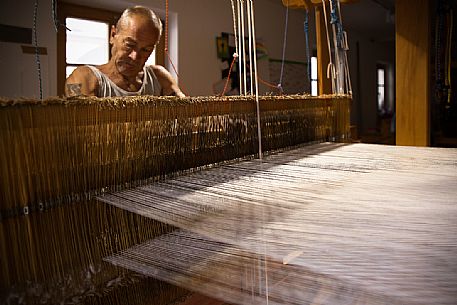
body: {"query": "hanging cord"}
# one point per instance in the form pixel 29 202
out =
pixel 438 31
pixel 259 129
pixel 336 46
pixel 234 27
pixel 166 26
pixel 345 46
pixel 250 46
pixel 243 49
pixel 308 55
pixel 442 49
pixel 284 48
pixel 228 76
pixel 166 46
pixel 235 55
pixel 330 67
pixel 240 53
pixel 269 84
pixel 448 55
pixel 37 51
pixel 56 21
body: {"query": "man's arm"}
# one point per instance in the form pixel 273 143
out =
pixel 168 83
pixel 81 82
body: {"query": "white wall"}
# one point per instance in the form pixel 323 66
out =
pixel 20 75
pixel 201 21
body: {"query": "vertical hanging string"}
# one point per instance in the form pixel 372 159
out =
pixel 252 25
pixel 308 55
pixel 240 54
pixel 166 27
pixel 235 55
pixel 166 46
pixel 345 43
pixel 54 15
pixel 330 67
pixel 259 131
pixel 248 9
pixel 337 44
pixel 37 51
pixel 234 26
pixel 284 48
pixel 55 19
pixel 448 56
pixel 243 48
pixel 229 74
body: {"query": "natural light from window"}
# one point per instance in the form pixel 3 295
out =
pixel 314 91
pixel 88 44
pixel 381 89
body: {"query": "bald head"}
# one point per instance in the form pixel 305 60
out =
pixel 140 12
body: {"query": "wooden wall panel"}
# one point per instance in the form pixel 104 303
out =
pixel 323 59
pixel 413 72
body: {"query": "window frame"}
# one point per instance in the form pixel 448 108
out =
pixel 67 10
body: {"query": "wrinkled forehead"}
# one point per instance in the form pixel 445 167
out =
pixel 140 29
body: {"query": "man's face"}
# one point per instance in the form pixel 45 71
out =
pixel 132 44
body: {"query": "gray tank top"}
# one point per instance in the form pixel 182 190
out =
pixel 107 88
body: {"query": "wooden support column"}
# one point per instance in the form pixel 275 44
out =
pixel 323 59
pixel 412 72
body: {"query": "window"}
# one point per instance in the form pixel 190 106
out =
pixel 381 72
pixel 87 40
pixel 314 88
pixel 87 43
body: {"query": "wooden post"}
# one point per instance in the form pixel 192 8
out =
pixel 412 72
pixel 323 59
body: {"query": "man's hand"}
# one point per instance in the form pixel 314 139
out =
pixel 168 83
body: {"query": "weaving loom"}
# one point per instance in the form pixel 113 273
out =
pixel 58 155
pixel 307 225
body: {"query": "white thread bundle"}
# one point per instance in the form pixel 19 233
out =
pixel 372 224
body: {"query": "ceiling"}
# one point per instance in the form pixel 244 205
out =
pixel 374 19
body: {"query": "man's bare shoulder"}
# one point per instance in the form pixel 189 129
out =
pixel 160 71
pixel 82 81
pixel 166 80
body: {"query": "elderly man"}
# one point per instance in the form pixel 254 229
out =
pixel 133 39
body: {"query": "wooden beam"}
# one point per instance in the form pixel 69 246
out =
pixel 412 72
pixel 323 59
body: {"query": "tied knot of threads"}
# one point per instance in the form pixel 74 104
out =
pixel 279 86
pixel 235 55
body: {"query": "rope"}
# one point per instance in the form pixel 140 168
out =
pixel 259 133
pixel 166 46
pixel 56 21
pixel 268 84
pixel 449 56
pixel 330 67
pixel 243 48
pixel 284 47
pixel 240 54
pixel 37 52
pixel 166 26
pixel 234 26
pixel 250 39
pixel 229 73
pixel 308 55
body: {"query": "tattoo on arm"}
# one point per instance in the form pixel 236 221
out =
pixel 74 89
